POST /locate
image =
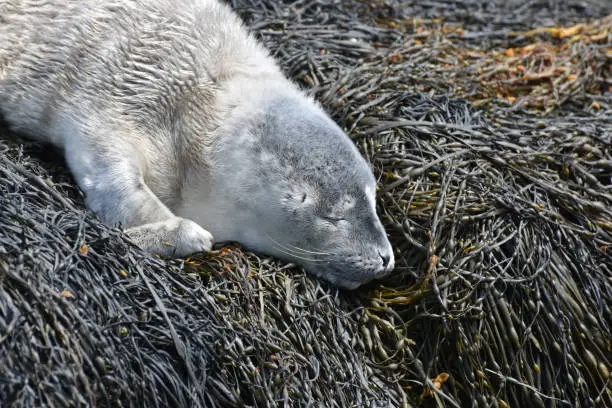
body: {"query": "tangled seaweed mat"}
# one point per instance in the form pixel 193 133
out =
pixel 501 219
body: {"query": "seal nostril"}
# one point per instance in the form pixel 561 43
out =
pixel 385 258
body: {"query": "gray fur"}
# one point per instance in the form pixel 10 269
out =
pixel 173 118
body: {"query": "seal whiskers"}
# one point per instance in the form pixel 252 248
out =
pixel 289 251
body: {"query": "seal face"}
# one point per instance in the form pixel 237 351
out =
pixel 306 195
pixel 178 125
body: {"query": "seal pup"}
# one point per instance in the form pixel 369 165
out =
pixel 178 126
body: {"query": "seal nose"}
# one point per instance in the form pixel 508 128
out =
pixel 388 261
pixel 386 258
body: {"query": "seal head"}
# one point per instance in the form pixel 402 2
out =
pixel 306 195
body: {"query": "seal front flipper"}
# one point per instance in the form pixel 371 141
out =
pixel 115 190
pixel 174 237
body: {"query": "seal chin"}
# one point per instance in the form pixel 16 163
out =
pixel 338 280
pixel 348 285
pixel 351 277
pixel 345 283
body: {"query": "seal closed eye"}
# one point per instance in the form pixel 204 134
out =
pixel 178 125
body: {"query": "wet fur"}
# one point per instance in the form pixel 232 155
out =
pixel 173 118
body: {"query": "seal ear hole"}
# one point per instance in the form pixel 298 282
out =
pixel 304 196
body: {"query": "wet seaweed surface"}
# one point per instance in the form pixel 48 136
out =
pixel 488 125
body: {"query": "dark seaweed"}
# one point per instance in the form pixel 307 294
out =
pixel 494 184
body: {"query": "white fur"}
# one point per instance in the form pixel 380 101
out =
pixel 173 118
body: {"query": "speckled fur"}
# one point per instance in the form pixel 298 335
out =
pixel 173 118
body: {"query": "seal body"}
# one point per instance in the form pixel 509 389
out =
pixel 178 125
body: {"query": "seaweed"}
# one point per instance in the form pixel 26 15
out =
pixel 488 126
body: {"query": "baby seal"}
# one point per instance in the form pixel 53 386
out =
pixel 178 126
